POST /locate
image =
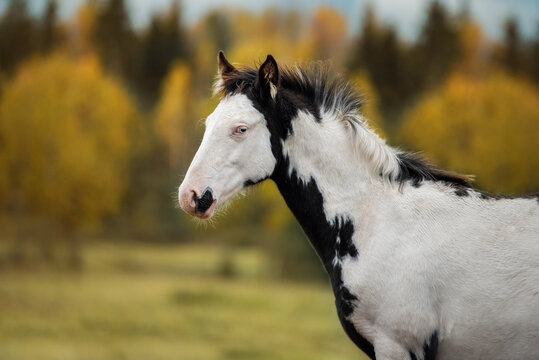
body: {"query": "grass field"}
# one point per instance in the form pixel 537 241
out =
pixel 166 302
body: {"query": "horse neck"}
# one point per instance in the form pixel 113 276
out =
pixel 323 181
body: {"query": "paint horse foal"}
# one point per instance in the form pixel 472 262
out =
pixel 422 265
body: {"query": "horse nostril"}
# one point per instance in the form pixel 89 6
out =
pixel 204 202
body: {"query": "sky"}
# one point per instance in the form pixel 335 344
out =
pixel 406 15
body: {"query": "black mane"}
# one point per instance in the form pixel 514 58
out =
pixel 310 83
pixel 415 168
pixel 312 87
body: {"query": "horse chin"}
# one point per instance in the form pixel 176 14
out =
pixel 228 197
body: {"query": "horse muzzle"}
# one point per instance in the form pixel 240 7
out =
pixel 201 206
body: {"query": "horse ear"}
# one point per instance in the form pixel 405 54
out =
pixel 268 76
pixel 224 68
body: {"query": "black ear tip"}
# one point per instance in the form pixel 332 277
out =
pixel 270 61
pixel 220 54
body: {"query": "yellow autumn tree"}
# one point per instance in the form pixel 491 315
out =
pixel 173 115
pixel 85 22
pixel 488 127
pixel 271 32
pixel 473 46
pixel 328 32
pixel 65 131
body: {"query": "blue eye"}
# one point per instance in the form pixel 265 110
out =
pixel 240 130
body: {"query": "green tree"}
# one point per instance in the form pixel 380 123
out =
pixel 378 52
pixel 65 158
pixel 17 35
pixel 366 44
pixel 48 31
pixel 512 55
pixel 85 23
pixel 114 38
pixel 173 136
pixel 436 51
pixel 218 29
pixel 533 59
pixel 486 127
pixel 163 44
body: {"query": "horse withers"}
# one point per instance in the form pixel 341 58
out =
pixel 422 265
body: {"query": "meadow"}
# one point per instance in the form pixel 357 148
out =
pixel 134 301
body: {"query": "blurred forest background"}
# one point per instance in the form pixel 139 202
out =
pixel 99 121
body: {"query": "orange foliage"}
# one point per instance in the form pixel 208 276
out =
pixel 329 32
pixel 85 24
pixel 474 49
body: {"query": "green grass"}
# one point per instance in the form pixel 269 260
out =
pixel 166 302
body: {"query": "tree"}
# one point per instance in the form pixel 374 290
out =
pixel 65 138
pixel 329 31
pixel 378 51
pixel 17 35
pixel 164 43
pixel 213 33
pixel 390 73
pixel 85 23
pixel 366 44
pixel 49 33
pixel 114 38
pixel 473 47
pixel 512 52
pixel 217 28
pixel 436 51
pixel 484 126
pixel 533 58
pixel 172 136
pixel 175 114
pixel 271 32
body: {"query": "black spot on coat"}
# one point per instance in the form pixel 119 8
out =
pixel 461 191
pixel 430 348
pixel 329 239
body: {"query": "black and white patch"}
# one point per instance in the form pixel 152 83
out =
pixel 430 348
